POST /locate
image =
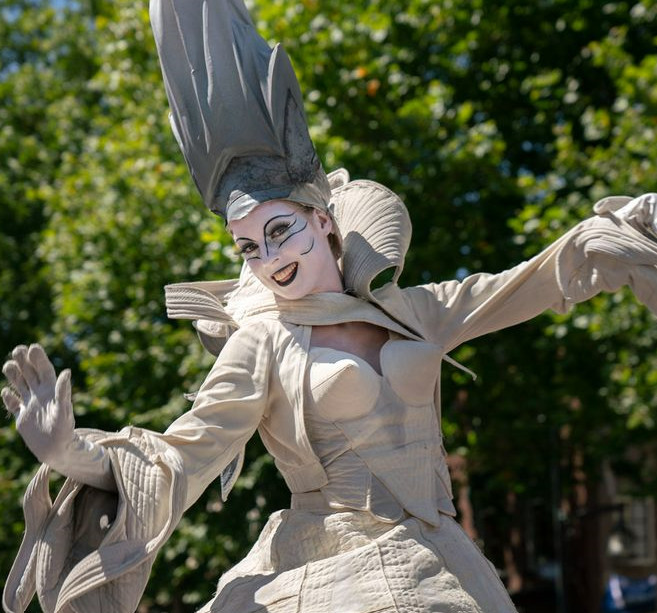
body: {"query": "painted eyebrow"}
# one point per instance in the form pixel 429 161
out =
pixel 275 218
pixel 269 221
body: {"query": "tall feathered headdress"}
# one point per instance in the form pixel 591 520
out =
pixel 236 108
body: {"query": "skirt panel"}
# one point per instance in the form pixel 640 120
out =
pixel 309 562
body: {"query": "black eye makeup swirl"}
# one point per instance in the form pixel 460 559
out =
pixel 276 232
pixel 312 244
pixel 281 228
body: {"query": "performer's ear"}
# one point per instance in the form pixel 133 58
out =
pixel 325 221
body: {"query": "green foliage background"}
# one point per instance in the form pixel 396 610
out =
pixel 500 123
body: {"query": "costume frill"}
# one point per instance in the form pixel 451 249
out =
pixel 91 552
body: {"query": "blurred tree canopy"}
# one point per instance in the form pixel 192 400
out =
pixel 499 123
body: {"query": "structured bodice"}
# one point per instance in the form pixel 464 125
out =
pixel 377 435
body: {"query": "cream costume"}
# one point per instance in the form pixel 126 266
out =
pixel 371 525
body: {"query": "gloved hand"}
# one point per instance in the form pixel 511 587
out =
pixel 639 212
pixel 41 403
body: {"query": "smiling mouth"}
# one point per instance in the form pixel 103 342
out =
pixel 286 275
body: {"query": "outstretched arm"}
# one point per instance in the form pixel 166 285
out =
pixel 41 403
pixel 614 248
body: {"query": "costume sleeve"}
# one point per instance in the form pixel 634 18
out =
pixel 101 563
pixel 615 248
pixel 228 408
pixel 95 547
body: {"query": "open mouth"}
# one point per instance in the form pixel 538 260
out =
pixel 286 275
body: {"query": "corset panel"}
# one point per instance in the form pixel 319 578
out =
pixel 378 436
pixel 343 386
pixel 411 368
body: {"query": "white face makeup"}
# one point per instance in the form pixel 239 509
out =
pixel 287 249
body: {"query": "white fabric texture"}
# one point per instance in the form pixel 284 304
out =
pixel 91 551
pixel 349 562
pixel 377 435
pixel 378 438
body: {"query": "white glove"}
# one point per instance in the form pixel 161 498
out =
pixel 41 403
pixel 640 212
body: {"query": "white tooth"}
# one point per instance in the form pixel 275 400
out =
pixel 281 275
